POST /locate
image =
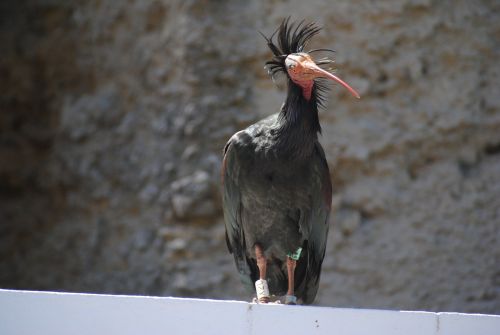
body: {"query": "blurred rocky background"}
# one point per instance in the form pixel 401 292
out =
pixel 113 115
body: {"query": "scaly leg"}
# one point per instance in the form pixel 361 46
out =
pixel 261 284
pixel 290 298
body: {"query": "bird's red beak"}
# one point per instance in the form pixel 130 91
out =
pixel 302 69
pixel 311 66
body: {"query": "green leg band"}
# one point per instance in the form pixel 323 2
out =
pixel 296 255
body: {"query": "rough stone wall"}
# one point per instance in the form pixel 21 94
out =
pixel 113 116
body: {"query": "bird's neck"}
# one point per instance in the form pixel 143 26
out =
pixel 298 126
pixel 306 87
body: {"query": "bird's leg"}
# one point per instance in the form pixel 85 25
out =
pixel 261 261
pixel 290 298
pixel 290 266
pixel 261 284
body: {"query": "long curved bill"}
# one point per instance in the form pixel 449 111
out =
pixel 319 72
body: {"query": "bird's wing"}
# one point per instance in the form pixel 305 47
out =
pixel 319 224
pixel 232 207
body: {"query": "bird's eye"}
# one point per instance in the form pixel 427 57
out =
pixel 291 66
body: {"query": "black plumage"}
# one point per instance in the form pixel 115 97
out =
pixel 276 183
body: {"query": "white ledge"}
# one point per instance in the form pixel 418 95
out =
pixel 27 312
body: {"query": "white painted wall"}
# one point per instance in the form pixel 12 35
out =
pixel 40 313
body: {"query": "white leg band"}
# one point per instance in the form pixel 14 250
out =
pixel 262 289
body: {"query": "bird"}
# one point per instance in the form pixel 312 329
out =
pixel 276 183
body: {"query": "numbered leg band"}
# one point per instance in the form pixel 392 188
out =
pixel 262 289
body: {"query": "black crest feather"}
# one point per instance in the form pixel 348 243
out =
pixel 290 38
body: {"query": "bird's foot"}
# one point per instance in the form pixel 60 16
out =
pixel 272 301
pixel 264 300
pixel 290 300
pixel 262 291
